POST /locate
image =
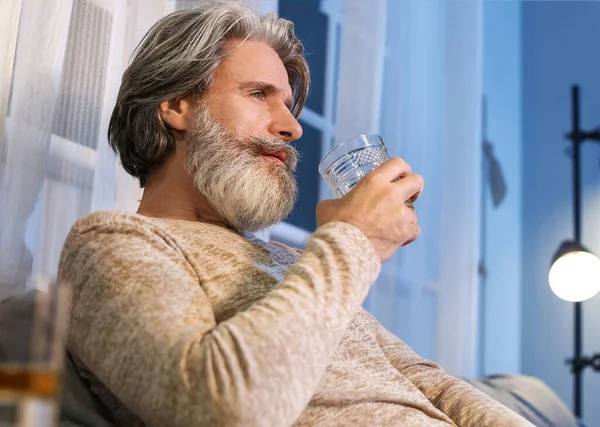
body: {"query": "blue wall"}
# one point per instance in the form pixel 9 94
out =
pixel 502 66
pixel 559 48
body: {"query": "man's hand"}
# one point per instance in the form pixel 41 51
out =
pixel 376 207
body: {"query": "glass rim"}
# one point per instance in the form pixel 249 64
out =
pixel 360 141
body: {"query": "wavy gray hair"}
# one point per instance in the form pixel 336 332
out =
pixel 178 57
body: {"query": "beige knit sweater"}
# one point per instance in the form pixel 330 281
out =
pixel 179 323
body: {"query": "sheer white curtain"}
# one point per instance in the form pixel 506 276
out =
pixel 460 178
pixel 31 99
pixel 411 71
pixel 56 165
pixel 362 49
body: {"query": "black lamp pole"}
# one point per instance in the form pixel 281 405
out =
pixel 577 137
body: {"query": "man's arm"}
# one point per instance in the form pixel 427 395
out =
pixel 461 402
pixel 142 324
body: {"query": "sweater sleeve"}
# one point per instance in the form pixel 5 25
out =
pixel 141 323
pixel 460 401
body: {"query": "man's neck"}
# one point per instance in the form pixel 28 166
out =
pixel 170 193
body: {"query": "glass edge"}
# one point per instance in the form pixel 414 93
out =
pixel 330 158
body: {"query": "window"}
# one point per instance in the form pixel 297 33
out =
pixel 309 147
pixel 310 25
pixel 317 24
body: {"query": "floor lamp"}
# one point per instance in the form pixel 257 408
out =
pixel 575 272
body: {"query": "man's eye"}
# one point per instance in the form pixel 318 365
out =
pixel 259 95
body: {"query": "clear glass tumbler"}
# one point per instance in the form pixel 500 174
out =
pixel 32 325
pixel 347 163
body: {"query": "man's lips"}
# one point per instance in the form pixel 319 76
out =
pixel 280 155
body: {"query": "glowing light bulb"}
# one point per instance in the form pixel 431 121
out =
pixel 575 276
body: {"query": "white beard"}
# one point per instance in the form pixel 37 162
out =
pixel 245 189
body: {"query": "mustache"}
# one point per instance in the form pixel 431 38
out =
pixel 260 145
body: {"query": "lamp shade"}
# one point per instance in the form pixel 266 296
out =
pixel 575 273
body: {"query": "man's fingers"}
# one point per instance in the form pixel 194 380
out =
pixel 392 169
pixel 410 187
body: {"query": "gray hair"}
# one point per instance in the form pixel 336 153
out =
pixel 178 57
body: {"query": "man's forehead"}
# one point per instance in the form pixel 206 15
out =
pixel 254 61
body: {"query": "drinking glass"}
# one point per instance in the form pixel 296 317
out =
pixel 32 324
pixel 347 163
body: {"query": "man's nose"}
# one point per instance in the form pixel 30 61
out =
pixel 285 126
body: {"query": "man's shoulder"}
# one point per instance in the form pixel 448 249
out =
pixel 127 230
pixel 112 241
pixel 105 220
pixel 109 229
pixel 116 222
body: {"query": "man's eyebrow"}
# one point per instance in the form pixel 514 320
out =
pixel 268 88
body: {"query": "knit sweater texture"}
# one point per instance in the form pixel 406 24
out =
pixel 181 323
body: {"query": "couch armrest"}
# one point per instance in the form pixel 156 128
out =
pixel 528 396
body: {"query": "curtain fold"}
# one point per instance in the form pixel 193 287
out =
pixel 460 174
pixel 55 164
pixel 361 63
pixel 32 101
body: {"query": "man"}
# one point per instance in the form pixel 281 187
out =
pixel 179 316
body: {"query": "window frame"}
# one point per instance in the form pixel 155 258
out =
pixel 285 232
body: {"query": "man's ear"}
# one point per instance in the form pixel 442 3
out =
pixel 177 113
